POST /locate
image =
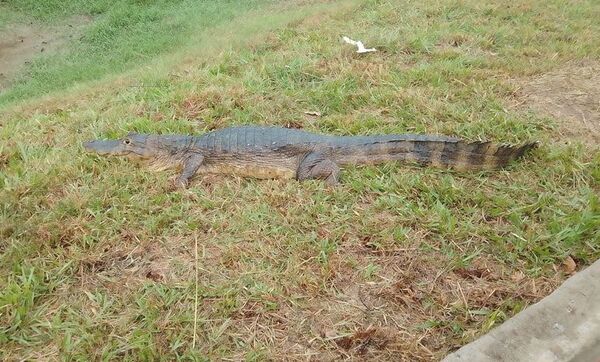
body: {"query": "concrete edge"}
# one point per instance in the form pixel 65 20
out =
pixel 564 326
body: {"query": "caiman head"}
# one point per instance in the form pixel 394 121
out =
pixel 161 151
pixel 134 146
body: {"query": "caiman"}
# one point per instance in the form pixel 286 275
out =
pixel 274 152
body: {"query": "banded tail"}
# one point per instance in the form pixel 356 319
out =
pixel 437 151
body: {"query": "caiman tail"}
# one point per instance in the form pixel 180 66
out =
pixel 437 151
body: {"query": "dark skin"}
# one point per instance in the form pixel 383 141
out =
pixel 190 167
pixel 318 167
pixel 314 166
pixel 276 152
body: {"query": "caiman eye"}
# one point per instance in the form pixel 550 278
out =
pixel 127 141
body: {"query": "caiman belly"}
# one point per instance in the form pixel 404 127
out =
pixel 268 166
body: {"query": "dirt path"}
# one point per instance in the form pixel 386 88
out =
pixel 21 43
pixel 571 95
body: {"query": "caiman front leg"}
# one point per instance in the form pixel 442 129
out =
pixel 318 166
pixel 190 165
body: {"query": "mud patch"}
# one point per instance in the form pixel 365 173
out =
pixel 571 95
pixel 22 43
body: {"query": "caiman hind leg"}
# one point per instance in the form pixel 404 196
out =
pixel 317 166
pixel 190 166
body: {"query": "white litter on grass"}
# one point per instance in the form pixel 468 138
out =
pixel 313 113
pixel 359 44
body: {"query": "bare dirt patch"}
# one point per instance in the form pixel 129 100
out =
pixel 571 95
pixel 21 43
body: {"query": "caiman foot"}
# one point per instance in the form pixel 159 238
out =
pixel 318 167
pixel 190 166
pixel 181 183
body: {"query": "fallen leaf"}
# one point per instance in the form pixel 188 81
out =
pixel 329 333
pixel 364 339
pixel 518 276
pixel 294 124
pixel 473 273
pixel 345 342
pixel 155 275
pixel 568 265
pixel 325 332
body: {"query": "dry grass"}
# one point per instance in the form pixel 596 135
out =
pixel 570 94
pixel 98 257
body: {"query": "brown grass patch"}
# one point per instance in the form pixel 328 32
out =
pixel 133 262
pixel 409 310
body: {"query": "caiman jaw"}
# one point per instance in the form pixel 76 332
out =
pixel 106 147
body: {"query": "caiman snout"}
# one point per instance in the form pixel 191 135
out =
pixel 105 147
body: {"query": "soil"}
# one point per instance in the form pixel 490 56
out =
pixel 21 43
pixel 570 95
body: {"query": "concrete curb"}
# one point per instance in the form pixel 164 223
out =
pixel 564 326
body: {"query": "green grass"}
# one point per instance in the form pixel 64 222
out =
pixel 120 35
pixel 98 255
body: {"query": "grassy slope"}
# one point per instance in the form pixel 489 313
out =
pixel 121 35
pixel 98 256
